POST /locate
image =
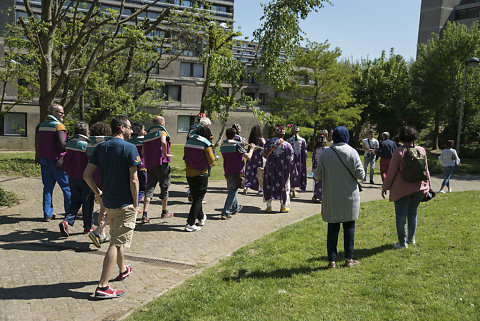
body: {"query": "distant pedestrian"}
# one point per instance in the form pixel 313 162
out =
pixel 74 163
pixel 233 154
pixel 338 168
pixel 369 145
pixel 405 194
pixel 278 166
pixel 320 146
pixel 137 140
pixel 385 152
pixel 257 161
pixel 198 157
pixel 298 176
pixel 448 159
pixel 118 161
pixel 156 151
pixel 100 132
pixel 50 142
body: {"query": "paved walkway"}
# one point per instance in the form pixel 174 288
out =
pixel 47 277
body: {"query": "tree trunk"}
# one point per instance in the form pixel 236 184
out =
pixel 82 107
pixel 436 131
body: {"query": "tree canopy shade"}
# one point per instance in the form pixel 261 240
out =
pixel 437 79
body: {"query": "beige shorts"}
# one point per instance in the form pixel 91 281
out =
pixel 122 224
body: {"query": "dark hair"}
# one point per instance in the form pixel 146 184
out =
pixel 408 134
pixel 100 129
pixel 450 143
pixel 204 132
pixel 237 128
pixel 230 133
pixel 255 134
pixel 137 129
pixel 81 128
pixel 116 123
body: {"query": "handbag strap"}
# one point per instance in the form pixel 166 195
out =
pixel 348 169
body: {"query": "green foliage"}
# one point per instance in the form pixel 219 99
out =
pixel 280 35
pixel 283 275
pixel 438 76
pixel 383 85
pixel 319 94
pixel 100 62
pixel 8 198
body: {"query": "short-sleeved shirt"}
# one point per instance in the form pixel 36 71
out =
pixel 114 158
pixel 370 144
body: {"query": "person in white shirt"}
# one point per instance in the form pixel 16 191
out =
pixel 369 145
pixel 448 159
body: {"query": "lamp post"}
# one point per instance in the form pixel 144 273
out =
pixel 472 62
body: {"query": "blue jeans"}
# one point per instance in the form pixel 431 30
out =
pixel 447 172
pixel 50 176
pixel 348 239
pixel 82 196
pixel 231 203
pixel 369 162
pixel 406 207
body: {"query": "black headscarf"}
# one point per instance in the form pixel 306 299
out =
pixel 340 135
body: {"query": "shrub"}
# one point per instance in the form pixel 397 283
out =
pixel 8 198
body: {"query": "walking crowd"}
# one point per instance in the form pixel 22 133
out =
pixel 119 166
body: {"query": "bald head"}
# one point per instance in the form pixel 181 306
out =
pixel 158 120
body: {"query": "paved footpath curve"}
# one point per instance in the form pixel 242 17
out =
pixel 48 277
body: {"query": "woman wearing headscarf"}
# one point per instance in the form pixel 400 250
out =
pixel 338 168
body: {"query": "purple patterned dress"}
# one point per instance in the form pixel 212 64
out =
pixel 277 170
pixel 317 185
pixel 298 176
pixel 251 180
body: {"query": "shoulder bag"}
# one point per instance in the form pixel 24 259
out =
pixel 353 176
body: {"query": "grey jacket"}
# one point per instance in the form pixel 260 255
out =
pixel 341 197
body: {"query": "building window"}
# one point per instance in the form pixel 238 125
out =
pixel 184 123
pixel 13 124
pixel 169 92
pixel 190 69
pixel 263 99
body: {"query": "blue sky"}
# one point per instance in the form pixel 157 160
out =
pixel 360 29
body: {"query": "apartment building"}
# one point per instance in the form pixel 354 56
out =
pixel 183 79
pixel 434 15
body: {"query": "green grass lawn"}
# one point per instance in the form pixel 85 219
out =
pixel 283 276
pixel 22 164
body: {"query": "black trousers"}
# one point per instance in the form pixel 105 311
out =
pixel 348 239
pixel 198 189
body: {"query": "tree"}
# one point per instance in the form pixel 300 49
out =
pixel 279 36
pixel 383 85
pixel 72 39
pixel 320 93
pixel 438 75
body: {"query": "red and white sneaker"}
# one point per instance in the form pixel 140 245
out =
pixel 109 293
pixel 123 275
pixel 64 228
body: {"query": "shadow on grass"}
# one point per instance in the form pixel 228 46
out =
pixel 48 291
pixel 288 273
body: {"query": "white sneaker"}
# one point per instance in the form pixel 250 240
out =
pixel 411 242
pixel 399 246
pixel 202 221
pixel 192 228
pixel 441 192
pixel 449 190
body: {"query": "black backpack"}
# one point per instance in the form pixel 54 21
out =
pixel 415 165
